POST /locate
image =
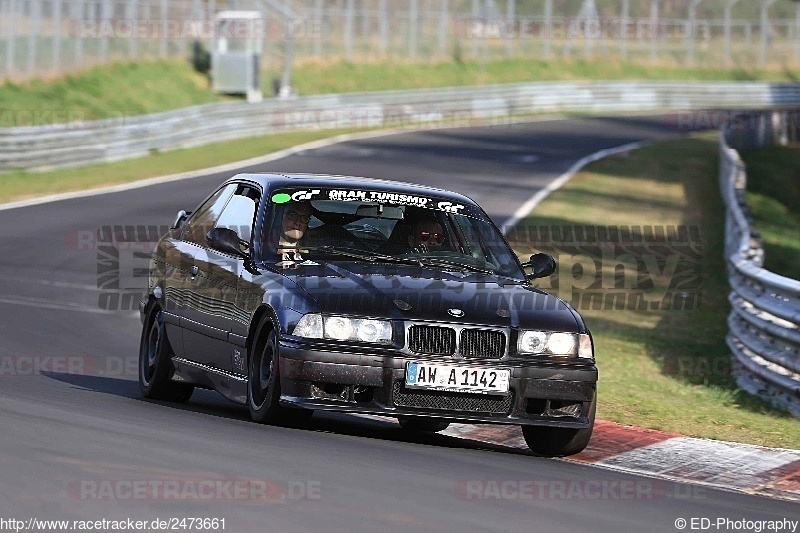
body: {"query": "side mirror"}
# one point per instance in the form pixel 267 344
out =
pixel 180 218
pixel 542 266
pixel 226 241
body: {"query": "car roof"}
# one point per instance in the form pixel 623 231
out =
pixel 271 181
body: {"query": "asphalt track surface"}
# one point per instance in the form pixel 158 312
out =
pixel 78 443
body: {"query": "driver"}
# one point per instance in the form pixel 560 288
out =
pixel 427 235
pixel 293 226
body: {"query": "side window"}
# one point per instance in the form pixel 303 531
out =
pixel 240 212
pixel 207 215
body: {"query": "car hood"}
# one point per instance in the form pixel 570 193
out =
pixel 430 294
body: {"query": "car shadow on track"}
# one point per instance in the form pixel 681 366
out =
pixel 212 404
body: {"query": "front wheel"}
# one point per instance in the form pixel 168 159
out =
pixel 263 387
pixel 155 363
pixel 559 442
pixel 428 425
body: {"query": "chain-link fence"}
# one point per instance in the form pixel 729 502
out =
pixel 41 37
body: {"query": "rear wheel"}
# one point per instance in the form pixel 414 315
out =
pixel 263 386
pixel 155 363
pixel 428 425
pixel 559 442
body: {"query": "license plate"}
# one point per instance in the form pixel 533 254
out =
pixel 456 378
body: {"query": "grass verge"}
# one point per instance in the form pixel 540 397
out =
pixel 109 91
pixel 21 184
pixel 125 88
pixel 773 194
pixel 321 78
pixel 666 369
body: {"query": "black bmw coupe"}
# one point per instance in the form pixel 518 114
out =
pixel 293 293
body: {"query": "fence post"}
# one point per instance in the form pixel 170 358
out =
pixel 797 32
pixel 133 16
pixel 348 30
pixel 623 31
pixel 443 17
pixel 690 30
pixel 654 27
pixel 164 26
pixel 510 34
pixel 384 22
pixel 105 15
pixel 77 23
pixel 413 20
pixel 318 28
pixel 11 9
pixel 56 35
pixel 728 16
pixel 34 28
pixel 765 30
pixel 548 28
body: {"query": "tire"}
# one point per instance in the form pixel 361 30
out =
pixel 155 363
pixel 263 386
pixel 428 425
pixel 559 442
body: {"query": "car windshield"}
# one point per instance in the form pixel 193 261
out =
pixel 383 227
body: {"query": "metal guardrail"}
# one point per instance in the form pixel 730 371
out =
pixel 80 143
pixel 764 324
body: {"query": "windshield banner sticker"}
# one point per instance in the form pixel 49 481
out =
pixel 350 195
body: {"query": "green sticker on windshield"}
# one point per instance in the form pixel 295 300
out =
pixel 281 198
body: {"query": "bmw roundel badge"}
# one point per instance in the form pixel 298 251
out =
pixel 455 312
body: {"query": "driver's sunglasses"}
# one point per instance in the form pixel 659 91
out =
pixel 294 216
pixel 425 236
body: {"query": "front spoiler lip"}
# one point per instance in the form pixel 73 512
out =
pixel 450 416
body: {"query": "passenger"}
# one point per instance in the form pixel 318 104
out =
pixel 427 235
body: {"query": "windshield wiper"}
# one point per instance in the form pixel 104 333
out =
pixel 417 261
pixel 443 263
pixel 359 254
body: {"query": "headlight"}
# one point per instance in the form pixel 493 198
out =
pixel 532 342
pixel 585 348
pixel 554 343
pixel 342 328
pixel 310 326
pixel 374 331
pixel 338 327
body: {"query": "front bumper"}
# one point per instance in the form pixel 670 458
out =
pixel 314 376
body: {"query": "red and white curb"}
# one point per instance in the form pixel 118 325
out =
pixel 746 468
pixel 771 472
